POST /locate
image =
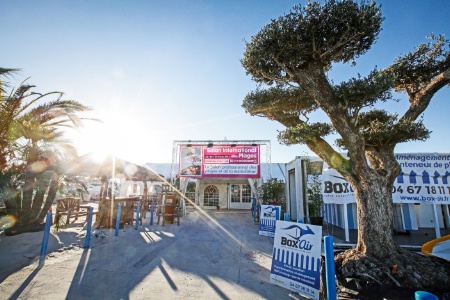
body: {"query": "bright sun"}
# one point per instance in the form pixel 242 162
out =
pixel 109 137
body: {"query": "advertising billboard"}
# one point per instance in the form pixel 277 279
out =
pixel 219 161
pixel 424 179
pixel 296 256
pixel 269 215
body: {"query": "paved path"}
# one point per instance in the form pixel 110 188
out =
pixel 217 255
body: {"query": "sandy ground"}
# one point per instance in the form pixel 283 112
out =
pixel 218 255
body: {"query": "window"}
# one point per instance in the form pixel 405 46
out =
pixel 235 193
pixel 246 193
pixel 211 196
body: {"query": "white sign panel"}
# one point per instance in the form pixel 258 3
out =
pixel 269 215
pixel 335 189
pixel 296 257
pixel 424 179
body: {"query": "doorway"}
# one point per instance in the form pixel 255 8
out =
pixel 240 196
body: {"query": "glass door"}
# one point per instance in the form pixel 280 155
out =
pixel 241 196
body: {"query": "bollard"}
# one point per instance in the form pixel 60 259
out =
pixel 422 295
pixel 88 230
pixel 329 268
pixel 137 215
pixel 48 223
pixel 299 221
pixel 253 207
pixel 119 210
pixel 277 213
pixel 286 216
pixel 256 218
pixel 152 210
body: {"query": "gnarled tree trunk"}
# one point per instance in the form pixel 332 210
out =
pixel 377 258
pixel 375 217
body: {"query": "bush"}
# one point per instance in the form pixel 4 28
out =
pixel 273 192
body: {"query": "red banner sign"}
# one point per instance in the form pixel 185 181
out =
pixel 240 161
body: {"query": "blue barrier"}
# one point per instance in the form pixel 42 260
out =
pixel 253 207
pixel 119 211
pixel 422 295
pixel 277 213
pixel 138 210
pixel 152 210
pixel 286 216
pixel 88 230
pixel 256 218
pixel 329 268
pixel 48 223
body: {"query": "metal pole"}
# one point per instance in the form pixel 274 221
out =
pixel 44 246
pixel 88 230
pixel 119 210
pixel 113 173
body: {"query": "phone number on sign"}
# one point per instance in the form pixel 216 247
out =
pixel 418 189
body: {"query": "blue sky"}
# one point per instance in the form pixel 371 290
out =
pixel 159 71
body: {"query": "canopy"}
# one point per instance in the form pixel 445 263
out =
pixel 89 165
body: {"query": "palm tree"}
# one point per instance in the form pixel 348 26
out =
pixel 31 148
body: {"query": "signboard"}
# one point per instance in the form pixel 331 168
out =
pixel 222 161
pixel 424 179
pixel 335 189
pixel 296 257
pixel 269 215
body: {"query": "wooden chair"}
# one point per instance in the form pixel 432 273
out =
pixel 68 208
pixel 169 209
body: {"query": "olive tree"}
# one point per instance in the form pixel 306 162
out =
pixel 289 59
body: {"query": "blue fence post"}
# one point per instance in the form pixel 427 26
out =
pixel 138 210
pixel 152 210
pixel 88 230
pixel 48 223
pixel 253 207
pixel 119 211
pixel 329 268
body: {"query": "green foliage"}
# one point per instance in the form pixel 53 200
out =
pixel 415 70
pixel 303 132
pixel 361 92
pixel 32 148
pixel 337 31
pixel 272 190
pixel 277 102
pixel 314 186
pixel 315 200
pixel 380 128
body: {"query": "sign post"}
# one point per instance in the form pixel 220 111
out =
pixel 269 215
pixel 296 257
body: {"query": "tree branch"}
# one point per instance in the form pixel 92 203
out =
pixel 420 100
pixel 341 44
pixel 284 68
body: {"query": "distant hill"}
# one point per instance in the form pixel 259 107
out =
pixel 278 169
